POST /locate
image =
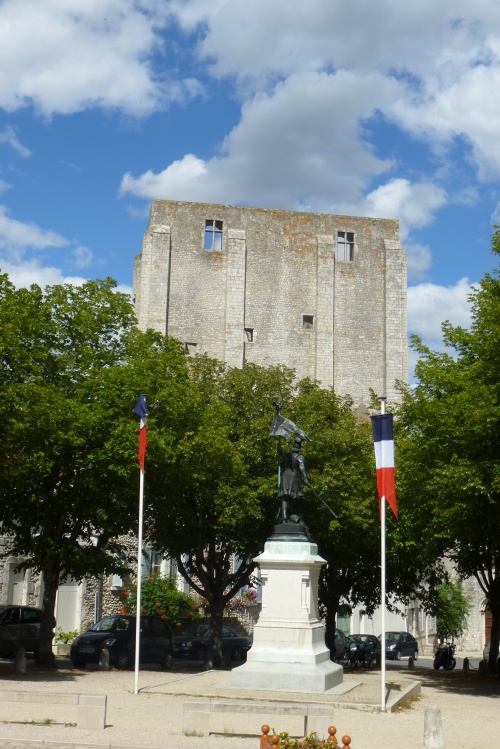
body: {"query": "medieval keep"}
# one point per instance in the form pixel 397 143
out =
pixel 323 294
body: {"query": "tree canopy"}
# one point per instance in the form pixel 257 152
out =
pixel 449 431
pixel 72 366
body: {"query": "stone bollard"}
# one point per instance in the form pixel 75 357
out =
pixel 104 660
pixel 20 660
pixel 466 665
pixel 433 729
pixel 411 662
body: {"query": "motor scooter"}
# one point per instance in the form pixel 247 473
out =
pixel 444 656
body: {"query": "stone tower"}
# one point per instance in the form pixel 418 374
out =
pixel 321 293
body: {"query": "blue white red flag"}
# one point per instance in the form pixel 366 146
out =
pixel 383 438
pixel 142 410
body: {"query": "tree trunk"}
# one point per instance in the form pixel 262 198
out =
pixel 45 656
pixel 495 636
pixel 215 659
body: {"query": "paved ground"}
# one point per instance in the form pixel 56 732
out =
pixel 469 704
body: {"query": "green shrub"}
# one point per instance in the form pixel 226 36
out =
pixel 160 596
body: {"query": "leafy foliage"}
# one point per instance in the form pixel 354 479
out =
pixel 451 610
pixel 159 596
pixel 449 435
pixel 71 368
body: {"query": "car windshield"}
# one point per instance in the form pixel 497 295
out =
pixel 111 624
pixel 196 630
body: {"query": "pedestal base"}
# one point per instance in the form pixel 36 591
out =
pixel 289 651
pixel 290 677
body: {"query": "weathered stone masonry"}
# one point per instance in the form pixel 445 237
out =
pixel 277 292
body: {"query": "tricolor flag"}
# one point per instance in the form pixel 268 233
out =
pixel 142 410
pixel 383 437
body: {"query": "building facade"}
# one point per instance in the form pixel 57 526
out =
pixel 323 294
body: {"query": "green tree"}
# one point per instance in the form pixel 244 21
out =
pixel 72 366
pixel 212 496
pixel 449 435
pixel 160 597
pixel 341 467
pixel 451 610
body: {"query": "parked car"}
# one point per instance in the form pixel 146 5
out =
pixel 193 643
pixel 341 646
pixel 117 635
pixel 399 644
pixel 19 627
pixel 366 647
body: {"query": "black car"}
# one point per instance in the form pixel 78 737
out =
pixel 400 644
pixel 366 648
pixel 19 627
pixel 193 643
pixel 117 635
pixel 341 646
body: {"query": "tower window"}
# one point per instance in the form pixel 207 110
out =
pixel 213 235
pixel 249 335
pixel 345 245
pixel 307 322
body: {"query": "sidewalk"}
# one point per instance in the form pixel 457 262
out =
pixel 469 704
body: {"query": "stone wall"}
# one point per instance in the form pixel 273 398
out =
pixel 277 294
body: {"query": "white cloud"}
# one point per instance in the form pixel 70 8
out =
pixel 4 186
pixel 64 56
pixel 281 154
pixel 29 272
pixel 15 235
pixel 10 138
pixel 83 257
pixel 429 305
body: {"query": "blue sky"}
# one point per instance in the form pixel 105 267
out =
pixel 344 106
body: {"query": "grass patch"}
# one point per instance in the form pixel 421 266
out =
pixel 41 722
pixel 407 704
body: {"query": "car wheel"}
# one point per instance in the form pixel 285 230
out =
pixel 78 663
pixel 167 662
pixel 123 660
pixel 415 655
pixel 344 656
pixel 397 655
pixel 238 653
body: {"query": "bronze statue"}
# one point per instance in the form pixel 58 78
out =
pixel 292 469
pixel 292 474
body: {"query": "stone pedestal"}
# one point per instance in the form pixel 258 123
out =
pixel 289 650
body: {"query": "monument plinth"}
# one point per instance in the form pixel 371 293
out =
pixel 289 650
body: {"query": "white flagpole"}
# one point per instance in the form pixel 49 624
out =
pixel 139 583
pixel 382 587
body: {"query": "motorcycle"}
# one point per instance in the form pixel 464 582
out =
pixel 444 657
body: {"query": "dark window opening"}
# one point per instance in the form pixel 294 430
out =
pixel 345 245
pixel 213 235
pixel 249 335
pixel 307 322
pixel 191 348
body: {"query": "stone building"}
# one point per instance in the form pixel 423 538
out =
pixel 323 294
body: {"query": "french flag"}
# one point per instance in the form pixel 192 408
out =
pixel 142 410
pixel 383 437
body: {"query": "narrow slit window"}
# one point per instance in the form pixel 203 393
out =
pixel 345 245
pixel 249 335
pixel 307 322
pixel 213 235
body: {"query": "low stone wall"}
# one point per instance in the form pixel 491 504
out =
pixel 85 710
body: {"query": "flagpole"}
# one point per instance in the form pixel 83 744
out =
pixel 382 587
pixel 142 411
pixel 139 583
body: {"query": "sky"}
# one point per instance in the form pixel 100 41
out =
pixel 362 107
